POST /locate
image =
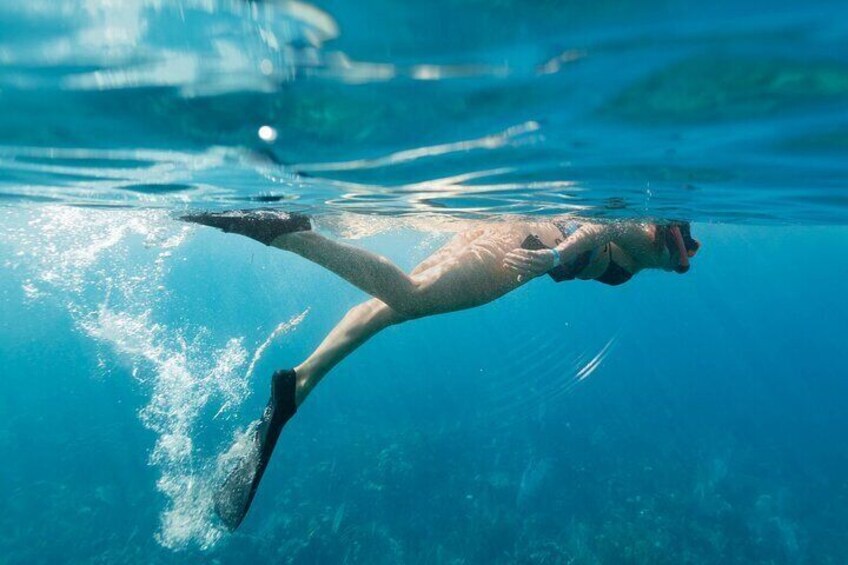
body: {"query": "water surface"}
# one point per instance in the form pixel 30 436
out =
pixel 675 419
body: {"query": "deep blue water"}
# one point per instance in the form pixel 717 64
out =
pixel 675 419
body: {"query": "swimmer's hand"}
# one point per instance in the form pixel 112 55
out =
pixel 529 263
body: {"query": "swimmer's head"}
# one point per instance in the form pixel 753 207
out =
pixel 678 242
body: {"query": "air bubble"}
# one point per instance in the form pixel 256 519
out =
pixel 267 134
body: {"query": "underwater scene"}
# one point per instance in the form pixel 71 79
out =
pixel 571 276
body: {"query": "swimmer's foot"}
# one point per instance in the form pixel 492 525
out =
pixel 232 499
pixel 262 224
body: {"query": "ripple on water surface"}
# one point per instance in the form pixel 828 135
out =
pixel 615 109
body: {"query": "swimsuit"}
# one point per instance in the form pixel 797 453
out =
pixel 613 275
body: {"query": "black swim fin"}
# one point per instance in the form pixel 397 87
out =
pixel 262 224
pixel 232 499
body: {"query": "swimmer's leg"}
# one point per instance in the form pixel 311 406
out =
pixel 359 325
pixel 289 388
pixel 372 273
pixel 440 288
pixel 369 272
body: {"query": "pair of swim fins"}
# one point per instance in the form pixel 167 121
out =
pixel 232 499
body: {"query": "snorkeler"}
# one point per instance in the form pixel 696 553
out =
pixel 474 268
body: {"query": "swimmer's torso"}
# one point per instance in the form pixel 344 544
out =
pixel 473 260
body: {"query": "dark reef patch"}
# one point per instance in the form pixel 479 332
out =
pixel 727 88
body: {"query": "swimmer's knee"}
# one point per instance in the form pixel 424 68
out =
pixel 375 310
pixel 417 303
pixel 408 304
pixel 402 310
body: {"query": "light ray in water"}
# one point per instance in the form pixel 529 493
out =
pixel 586 371
pixel 494 141
pixel 548 384
pixel 595 362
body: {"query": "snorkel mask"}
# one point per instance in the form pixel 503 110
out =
pixel 678 239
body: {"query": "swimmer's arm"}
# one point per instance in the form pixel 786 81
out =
pixel 532 263
pixel 593 236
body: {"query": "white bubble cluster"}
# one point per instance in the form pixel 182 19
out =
pixel 108 267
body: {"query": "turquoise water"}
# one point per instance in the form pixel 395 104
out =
pixel 674 419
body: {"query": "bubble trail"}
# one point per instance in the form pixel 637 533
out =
pixel 108 269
